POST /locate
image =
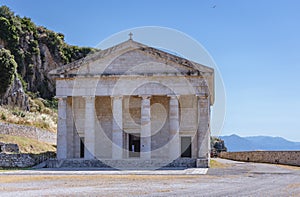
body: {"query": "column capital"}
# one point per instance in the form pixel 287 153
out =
pixel 116 96
pixel 89 98
pixel 61 97
pixel 174 96
pixel 202 96
pixel 146 96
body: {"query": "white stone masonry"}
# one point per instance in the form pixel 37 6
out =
pixel 145 127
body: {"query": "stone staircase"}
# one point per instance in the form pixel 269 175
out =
pixel 123 164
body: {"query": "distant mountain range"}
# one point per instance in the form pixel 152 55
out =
pixel 236 143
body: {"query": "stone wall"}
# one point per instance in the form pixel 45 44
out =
pixel 23 160
pixel 275 157
pixel 28 131
pixel 9 148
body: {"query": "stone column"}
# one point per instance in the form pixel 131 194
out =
pixel 203 133
pixel 89 127
pixel 76 143
pixel 174 142
pixel 145 128
pixel 117 127
pixel 70 129
pixel 62 128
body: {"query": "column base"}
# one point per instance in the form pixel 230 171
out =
pixel 145 155
pixel 202 163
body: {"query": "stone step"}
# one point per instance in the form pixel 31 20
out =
pixel 123 163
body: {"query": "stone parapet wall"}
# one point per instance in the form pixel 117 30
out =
pixel 9 148
pixel 16 160
pixel 28 131
pixel 23 160
pixel 275 157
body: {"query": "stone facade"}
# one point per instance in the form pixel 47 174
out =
pixel 275 157
pixel 134 102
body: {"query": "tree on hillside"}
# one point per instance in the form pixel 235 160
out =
pixel 6 12
pixel 36 50
pixel 8 68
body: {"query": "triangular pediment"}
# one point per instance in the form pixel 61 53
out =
pixel 131 58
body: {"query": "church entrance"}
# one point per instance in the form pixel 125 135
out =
pixel 186 147
pixel 134 145
pixel 81 147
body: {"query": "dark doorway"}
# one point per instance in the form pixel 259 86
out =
pixel 186 147
pixel 82 147
pixel 134 145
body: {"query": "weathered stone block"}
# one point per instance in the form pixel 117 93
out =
pixel 9 148
pixel 202 163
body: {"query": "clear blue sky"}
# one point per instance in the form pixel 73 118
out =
pixel 255 43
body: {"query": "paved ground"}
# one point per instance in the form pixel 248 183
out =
pixel 235 179
pixel 105 171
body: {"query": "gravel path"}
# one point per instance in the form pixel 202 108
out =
pixel 237 179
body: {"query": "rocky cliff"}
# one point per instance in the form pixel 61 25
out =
pixel 35 51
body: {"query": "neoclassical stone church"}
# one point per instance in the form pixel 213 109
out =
pixel 133 106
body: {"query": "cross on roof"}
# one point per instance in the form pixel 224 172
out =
pixel 130 36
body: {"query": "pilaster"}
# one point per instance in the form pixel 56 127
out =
pixel 203 132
